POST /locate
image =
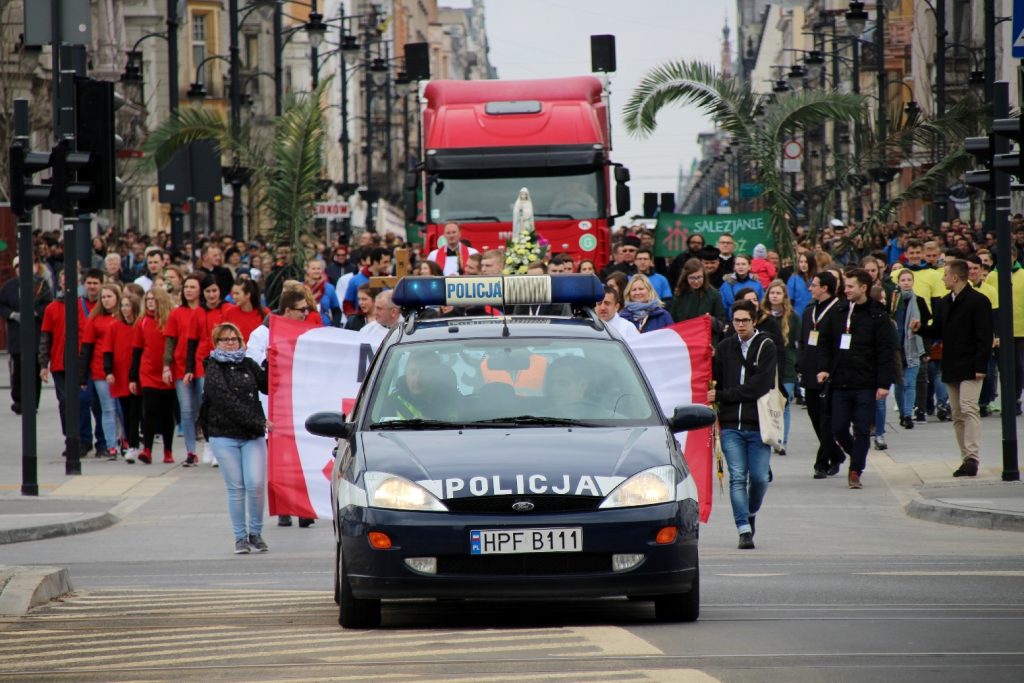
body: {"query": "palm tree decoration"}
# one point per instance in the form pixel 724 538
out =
pixel 733 106
pixel 760 125
pixel 284 172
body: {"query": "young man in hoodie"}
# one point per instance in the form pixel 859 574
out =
pixel 744 369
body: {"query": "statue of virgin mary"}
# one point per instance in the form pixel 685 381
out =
pixel 522 214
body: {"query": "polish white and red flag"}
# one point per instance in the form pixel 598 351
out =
pixel 321 368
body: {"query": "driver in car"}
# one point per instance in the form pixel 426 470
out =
pixel 568 387
pixel 428 390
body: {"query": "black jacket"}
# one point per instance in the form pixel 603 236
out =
pixel 737 403
pixel 965 326
pixel 868 363
pixel 10 303
pixel 231 402
pixel 807 355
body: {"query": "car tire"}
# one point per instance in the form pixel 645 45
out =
pixel 354 612
pixel 337 563
pixel 679 606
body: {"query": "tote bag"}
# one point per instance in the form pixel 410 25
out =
pixel 770 411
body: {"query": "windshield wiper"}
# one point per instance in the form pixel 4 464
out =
pixel 479 218
pixel 532 420
pixel 554 215
pixel 415 423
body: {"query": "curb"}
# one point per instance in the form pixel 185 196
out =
pixel 30 587
pixel 947 514
pixel 43 531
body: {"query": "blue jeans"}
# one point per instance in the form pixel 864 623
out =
pixel 855 406
pixel 906 393
pixel 243 464
pixel 935 383
pixel 988 387
pixel 89 408
pixel 748 458
pixel 790 388
pixel 880 417
pixel 189 402
pixel 108 411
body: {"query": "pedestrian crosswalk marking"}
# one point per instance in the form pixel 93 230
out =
pixel 111 630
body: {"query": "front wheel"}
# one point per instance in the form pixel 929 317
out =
pixel 680 606
pixel 353 612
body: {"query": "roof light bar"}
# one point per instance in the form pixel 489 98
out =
pixel 498 290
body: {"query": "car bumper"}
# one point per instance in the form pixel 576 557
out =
pixel 666 568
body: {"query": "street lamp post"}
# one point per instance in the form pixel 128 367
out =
pixel 234 90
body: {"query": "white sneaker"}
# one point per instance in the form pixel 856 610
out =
pixel 130 455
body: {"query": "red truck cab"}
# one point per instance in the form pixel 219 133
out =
pixel 485 140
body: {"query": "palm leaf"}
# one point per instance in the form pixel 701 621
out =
pixel 297 151
pixel 729 101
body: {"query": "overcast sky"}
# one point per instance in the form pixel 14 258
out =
pixel 545 38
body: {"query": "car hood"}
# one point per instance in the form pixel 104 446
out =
pixel 489 462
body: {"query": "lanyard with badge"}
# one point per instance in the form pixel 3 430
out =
pixel 812 336
pixel 846 338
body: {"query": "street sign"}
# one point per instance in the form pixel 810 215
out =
pixel 331 209
pixel 751 190
pixel 792 156
pixel 1017 48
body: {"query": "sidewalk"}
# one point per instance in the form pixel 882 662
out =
pixel 917 468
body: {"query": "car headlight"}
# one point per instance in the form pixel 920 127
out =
pixel 650 487
pixel 398 493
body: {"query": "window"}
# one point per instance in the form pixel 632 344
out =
pixel 559 195
pixel 482 379
pixel 251 61
pixel 200 50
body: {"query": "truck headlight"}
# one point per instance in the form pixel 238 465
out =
pixel 650 487
pixel 398 493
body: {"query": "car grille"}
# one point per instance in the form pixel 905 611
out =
pixel 525 565
pixel 503 504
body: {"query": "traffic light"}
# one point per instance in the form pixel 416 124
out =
pixel 1009 163
pixel 68 189
pixel 24 163
pixel 95 135
pixel 982 149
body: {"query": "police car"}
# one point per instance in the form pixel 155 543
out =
pixel 506 456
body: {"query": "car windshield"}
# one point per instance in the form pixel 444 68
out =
pixel 568 195
pixel 509 382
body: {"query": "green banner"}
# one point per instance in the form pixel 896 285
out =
pixel 748 229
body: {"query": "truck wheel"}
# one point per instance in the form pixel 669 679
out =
pixel 679 606
pixel 353 612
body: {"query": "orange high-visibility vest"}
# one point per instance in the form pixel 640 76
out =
pixel 530 378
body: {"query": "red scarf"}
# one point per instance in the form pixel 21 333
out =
pixel 442 255
pixel 317 290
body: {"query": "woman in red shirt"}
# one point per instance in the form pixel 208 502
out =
pixel 97 328
pixel 247 314
pixel 146 376
pixel 176 332
pixel 212 312
pixel 117 361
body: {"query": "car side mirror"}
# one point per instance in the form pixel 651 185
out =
pixel 690 417
pixel 330 424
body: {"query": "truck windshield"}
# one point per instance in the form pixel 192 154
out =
pixel 458 196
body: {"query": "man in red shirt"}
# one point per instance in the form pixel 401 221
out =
pixel 52 337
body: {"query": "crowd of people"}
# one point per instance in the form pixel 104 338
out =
pixel 839 326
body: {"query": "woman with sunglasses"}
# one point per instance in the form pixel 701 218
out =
pixel 236 427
